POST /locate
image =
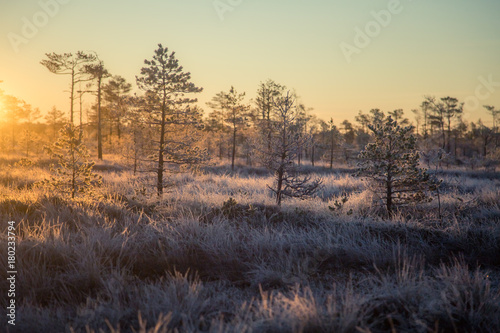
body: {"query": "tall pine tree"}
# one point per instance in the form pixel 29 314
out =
pixel 166 84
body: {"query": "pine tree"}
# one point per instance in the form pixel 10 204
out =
pixel 166 84
pixel 392 164
pixel 73 172
pixel 266 94
pixel 233 112
pixel 115 94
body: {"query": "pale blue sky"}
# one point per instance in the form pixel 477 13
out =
pixel 438 47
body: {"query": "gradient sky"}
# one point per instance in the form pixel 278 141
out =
pixel 431 47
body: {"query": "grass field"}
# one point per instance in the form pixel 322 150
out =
pixel 215 254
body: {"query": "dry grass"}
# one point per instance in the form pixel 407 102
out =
pixel 195 261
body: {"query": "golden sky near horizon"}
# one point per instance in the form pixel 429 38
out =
pixel 340 56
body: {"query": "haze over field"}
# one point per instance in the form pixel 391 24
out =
pixel 340 56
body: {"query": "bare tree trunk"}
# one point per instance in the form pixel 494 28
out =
pixel 81 118
pixel 455 148
pixel 110 132
pixel 448 144
pixel 221 149
pixel 443 137
pixel 389 195
pixel 234 147
pixel 118 128
pixel 331 150
pixel 279 175
pixel 73 175
pixel 99 120
pixel 72 97
pixel 135 154
pixel 159 183
pixel 312 153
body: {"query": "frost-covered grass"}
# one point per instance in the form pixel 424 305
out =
pixel 194 260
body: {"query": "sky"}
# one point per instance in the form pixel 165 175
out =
pixel 340 56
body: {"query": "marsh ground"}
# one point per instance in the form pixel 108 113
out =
pixel 215 255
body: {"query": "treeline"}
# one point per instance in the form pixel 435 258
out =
pixel 163 126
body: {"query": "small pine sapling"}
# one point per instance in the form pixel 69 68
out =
pixel 391 163
pixel 73 172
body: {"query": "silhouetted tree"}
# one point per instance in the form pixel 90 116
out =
pixel 81 92
pixel 458 133
pixel 266 94
pixel 363 120
pixel 233 113
pixel 377 117
pixel 28 135
pixel 349 134
pixel 398 116
pixel 333 141
pixel 418 119
pixel 98 73
pixel 285 146
pixel 315 126
pixel 485 135
pixel 55 118
pixel 264 102
pixel 302 124
pixel 69 64
pixel 424 107
pixel 443 112
pixel 115 94
pixel 452 109
pixel 494 127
